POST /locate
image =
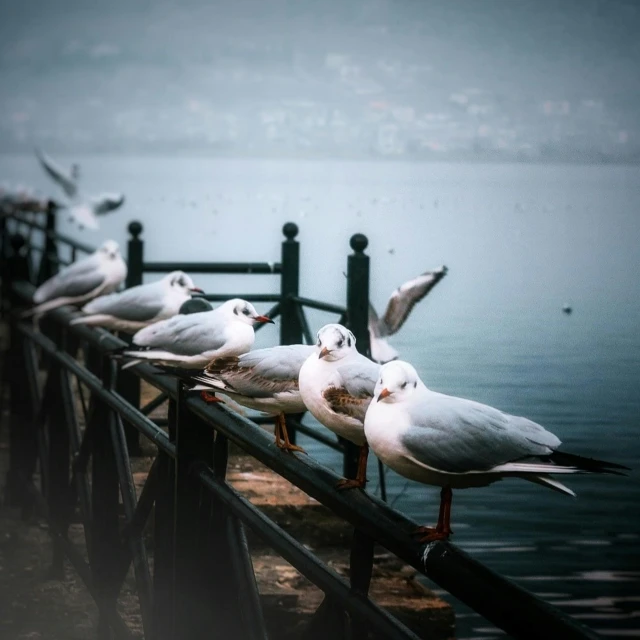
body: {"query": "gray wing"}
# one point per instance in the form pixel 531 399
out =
pixel 353 396
pixel 263 372
pixel 138 304
pixel 405 297
pixel 77 279
pixel 107 202
pixel 184 335
pixel 458 436
pixel 58 174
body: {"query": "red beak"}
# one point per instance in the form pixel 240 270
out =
pixel 196 290
pixel 385 393
pixel 264 319
pixel 324 352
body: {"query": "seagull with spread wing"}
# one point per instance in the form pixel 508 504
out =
pixel 400 304
pixel 98 274
pixel 336 383
pixel 84 211
pixel 455 443
pixel 140 306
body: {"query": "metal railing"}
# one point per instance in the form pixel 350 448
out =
pixel 201 581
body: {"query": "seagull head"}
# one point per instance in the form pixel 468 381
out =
pixel 110 249
pixel 335 342
pixel 397 381
pixel 244 311
pixel 180 281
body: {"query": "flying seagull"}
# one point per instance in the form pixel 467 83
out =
pixel 84 211
pixel 455 443
pixel 98 274
pixel 140 306
pixel 336 383
pixel 399 306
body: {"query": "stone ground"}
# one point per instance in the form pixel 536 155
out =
pixel 34 606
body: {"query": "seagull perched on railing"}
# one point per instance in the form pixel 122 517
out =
pixel 192 341
pixel 455 443
pixel 264 380
pixel 399 306
pixel 140 306
pixel 84 211
pixel 99 273
pixel 336 383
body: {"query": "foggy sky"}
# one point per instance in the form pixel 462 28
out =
pixel 71 64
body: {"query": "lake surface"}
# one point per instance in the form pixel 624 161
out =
pixel 519 241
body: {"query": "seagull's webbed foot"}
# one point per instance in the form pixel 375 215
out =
pixel 350 483
pixel 431 534
pixel 442 530
pixel 210 397
pixel 282 436
pixel 360 481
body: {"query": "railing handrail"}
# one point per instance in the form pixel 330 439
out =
pixel 253 268
pixel 54 235
pixel 502 602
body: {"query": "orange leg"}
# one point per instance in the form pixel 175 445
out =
pixel 209 396
pixel 281 432
pixel 360 480
pixel 442 530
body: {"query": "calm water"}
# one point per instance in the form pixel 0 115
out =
pixel 519 242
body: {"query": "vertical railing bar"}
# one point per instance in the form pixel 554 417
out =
pixel 302 319
pixel 78 477
pixel 136 545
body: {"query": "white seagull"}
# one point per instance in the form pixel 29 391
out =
pixel 399 306
pixel 264 380
pixel 99 273
pixel 84 211
pixel 336 384
pixel 455 443
pixel 192 341
pixel 140 306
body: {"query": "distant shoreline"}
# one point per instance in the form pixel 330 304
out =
pixel 195 153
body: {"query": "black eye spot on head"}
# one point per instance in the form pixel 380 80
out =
pixel 348 342
pixel 235 310
pixel 340 342
pixel 415 384
pixel 245 311
pixel 403 385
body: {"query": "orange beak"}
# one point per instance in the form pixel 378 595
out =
pixel 324 352
pixel 264 319
pixel 385 393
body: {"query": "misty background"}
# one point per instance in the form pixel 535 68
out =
pixel 221 122
pixel 474 80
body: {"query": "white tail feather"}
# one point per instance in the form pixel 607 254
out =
pixel 552 483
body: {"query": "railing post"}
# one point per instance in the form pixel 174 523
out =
pixel 106 548
pixel 290 329
pixel 49 266
pixel 357 321
pixel 195 611
pixel 23 441
pixel 128 384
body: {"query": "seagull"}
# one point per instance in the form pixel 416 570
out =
pixel 399 307
pixel 192 341
pixel 336 384
pixel 264 380
pixel 140 306
pixel 82 210
pixel 455 443
pixel 99 273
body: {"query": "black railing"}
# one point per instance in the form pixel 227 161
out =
pixel 202 580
